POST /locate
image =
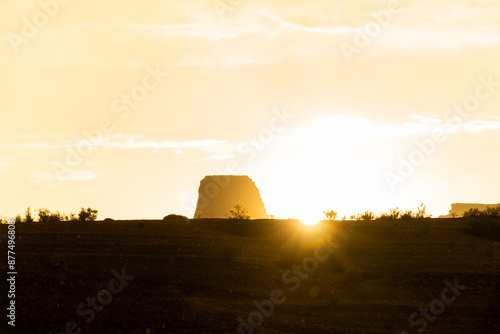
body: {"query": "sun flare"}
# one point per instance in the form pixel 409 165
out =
pixel 309 221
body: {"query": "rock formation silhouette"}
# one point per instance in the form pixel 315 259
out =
pixel 219 193
pixel 458 209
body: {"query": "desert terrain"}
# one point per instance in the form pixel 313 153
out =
pixel 202 275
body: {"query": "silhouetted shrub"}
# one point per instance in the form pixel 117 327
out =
pixel 407 215
pixel 28 218
pixel 368 215
pixel 330 214
pixel 383 216
pixel 421 212
pixel 493 212
pixel 72 217
pixel 175 217
pixel 474 212
pixel 87 215
pixel 238 211
pixel 393 214
pixel 45 216
pixel 107 220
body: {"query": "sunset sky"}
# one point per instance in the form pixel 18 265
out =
pixel 319 102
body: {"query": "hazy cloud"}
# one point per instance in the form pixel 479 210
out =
pixel 67 176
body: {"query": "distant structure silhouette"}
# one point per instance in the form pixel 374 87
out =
pixel 217 194
pixel 458 209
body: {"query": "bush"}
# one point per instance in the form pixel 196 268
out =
pixel 383 216
pixel 421 212
pixel 72 217
pixel 407 215
pixel 330 214
pixel 492 212
pixel 238 211
pixel 175 217
pixel 28 217
pixel 45 216
pixel 395 214
pixel 87 215
pixel 368 215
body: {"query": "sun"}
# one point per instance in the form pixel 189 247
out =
pixel 309 221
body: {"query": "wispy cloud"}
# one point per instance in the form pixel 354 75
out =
pixel 292 26
pixel 112 141
pixel 425 119
pixel 220 157
pixel 67 176
pixel 478 126
pixel 343 127
pixel 134 44
pixel 133 144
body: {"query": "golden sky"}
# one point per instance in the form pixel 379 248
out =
pixel 319 102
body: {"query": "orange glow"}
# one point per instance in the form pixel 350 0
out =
pixel 309 222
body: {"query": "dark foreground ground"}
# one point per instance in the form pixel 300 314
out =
pixel 201 276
